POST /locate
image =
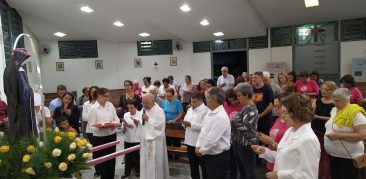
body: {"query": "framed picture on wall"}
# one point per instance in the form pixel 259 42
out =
pixel 60 66
pixel 98 64
pixel 138 63
pixel 29 64
pixel 173 61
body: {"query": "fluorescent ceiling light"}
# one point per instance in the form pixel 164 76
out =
pixel 118 24
pixel 311 3
pixel 144 34
pixel 218 34
pixel 86 9
pixel 59 34
pixel 185 8
pixel 204 22
pixel 219 41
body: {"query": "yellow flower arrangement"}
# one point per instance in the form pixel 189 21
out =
pixel 56 152
pixel 30 171
pixel 85 141
pixel 62 166
pixel 48 165
pixel 55 156
pixel 26 158
pixel 56 131
pixel 71 157
pixel 72 146
pixel 57 139
pixel 4 149
pixel 87 155
pixel 30 148
pixel 71 135
pixel 41 144
pixel 80 143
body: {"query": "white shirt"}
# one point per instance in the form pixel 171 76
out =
pixel 99 115
pixel 195 117
pixel 84 115
pixel 335 147
pixel 146 89
pixel 215 132
pixel 297 155
pixel 130 134
pixel 185 92
pixel 162 90
pixel 46 113
pixel 229 81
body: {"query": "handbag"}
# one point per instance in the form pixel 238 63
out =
pixel 359 161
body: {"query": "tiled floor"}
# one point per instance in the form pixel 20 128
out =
pixel 177 170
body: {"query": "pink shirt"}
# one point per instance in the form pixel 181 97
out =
pixel 276 133
pixel 356 95
pixel 232 110
pixel 307 87
pixel 137 90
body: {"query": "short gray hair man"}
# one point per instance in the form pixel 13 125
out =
pixel 218 94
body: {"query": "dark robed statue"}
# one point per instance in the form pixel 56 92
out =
pixel 19 97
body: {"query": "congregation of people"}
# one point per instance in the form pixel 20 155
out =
pixel 304 129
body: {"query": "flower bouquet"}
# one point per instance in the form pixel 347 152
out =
pixel 61 155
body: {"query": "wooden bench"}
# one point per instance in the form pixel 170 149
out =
pixel 176 131
pixel 114 99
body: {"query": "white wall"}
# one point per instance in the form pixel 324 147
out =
pixel 80 72
pixel 349 50
pixel 258 58
pixel 201 66
pixel 32 75
pixel 118 65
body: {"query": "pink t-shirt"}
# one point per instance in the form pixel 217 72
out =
pixel 137 90
pixel 307 87
pixel 276 133
pixel 232 110
pixel 356 95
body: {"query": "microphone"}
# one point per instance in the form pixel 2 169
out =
pixel 144 112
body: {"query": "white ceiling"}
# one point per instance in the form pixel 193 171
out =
pixel 164 20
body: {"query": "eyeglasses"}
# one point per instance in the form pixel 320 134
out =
pixel 127 85
pixel 325 89
pixel 107 96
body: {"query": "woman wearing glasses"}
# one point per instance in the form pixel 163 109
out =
pixel 129 95
pixel 322 107
pixel 103 112
pixel 298 152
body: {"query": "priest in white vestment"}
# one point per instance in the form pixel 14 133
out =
pixel 153 152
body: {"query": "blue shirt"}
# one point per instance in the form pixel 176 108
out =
pixel 172 109
pixel 55 103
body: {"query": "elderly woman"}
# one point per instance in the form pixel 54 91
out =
pixel 174 113
pixel 322 107
pixel 298 152
pixel 345 131
pixel 244 132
